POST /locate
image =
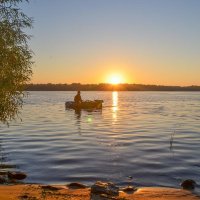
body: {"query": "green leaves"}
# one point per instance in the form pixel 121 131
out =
pixel 15 58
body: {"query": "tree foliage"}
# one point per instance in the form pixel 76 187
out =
pixel 15 58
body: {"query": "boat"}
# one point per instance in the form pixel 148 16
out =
pixel 87 105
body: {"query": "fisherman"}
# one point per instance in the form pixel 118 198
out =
pixel 77 99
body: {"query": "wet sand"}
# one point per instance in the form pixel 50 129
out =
pixel 37 192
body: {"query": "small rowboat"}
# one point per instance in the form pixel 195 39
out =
pixel 87 105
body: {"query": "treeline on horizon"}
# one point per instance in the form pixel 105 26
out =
pixel 107 87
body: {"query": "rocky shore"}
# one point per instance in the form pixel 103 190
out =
pixel 63 192
pixel 11 188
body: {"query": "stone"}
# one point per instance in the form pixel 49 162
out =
pixel 188 184
pixel 129 189
pixel 16 175
pixel 76 186
pixel 3 173
pixel 6 166
pixel 2 180
pixel 50 187
pixel 105 188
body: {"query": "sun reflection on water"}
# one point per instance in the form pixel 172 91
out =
pixel 114 104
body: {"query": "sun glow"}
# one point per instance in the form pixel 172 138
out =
pixel 115 79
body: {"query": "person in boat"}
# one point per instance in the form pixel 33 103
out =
pixel 77 99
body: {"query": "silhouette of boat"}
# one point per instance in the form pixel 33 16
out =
pixel 87 105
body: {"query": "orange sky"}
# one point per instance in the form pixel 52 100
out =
pixel 148 42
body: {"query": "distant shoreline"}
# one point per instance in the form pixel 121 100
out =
pixel 109 87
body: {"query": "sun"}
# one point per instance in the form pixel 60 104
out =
pixel 115 79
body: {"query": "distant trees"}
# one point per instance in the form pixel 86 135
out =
pixel 107 87
pixel 15 58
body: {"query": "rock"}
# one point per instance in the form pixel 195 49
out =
pixel 50 187
pixel 24 197
pixel 105 188
pixel 16 175
pixel 2 180
pixel 188 184
pixel 129 189
pixel 6 166
pixel 76 186
pixel 3 173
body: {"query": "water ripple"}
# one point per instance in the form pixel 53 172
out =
pixel 152 136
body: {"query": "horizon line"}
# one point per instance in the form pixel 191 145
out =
pixel 76 83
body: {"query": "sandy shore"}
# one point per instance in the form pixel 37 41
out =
pixel 37 192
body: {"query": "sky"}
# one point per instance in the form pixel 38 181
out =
pixel 140 41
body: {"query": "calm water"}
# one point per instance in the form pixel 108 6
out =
pixel 129 137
